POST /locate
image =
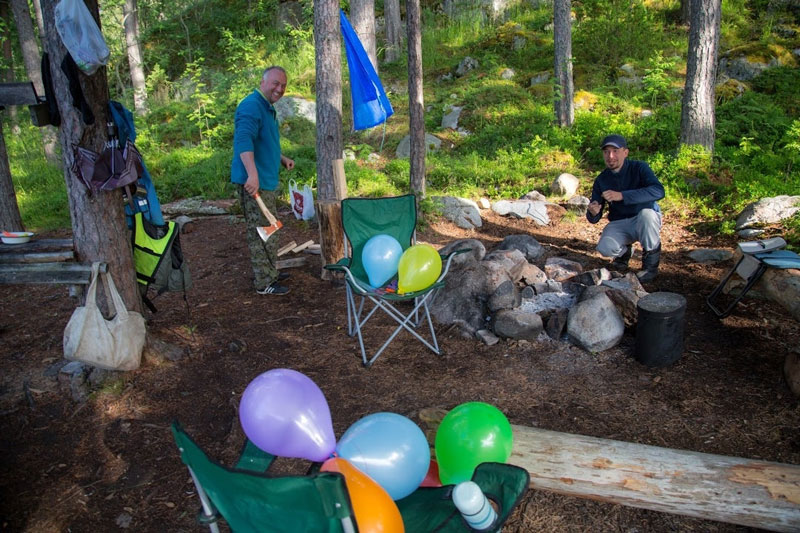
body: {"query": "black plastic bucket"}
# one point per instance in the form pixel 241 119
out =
pixel 659 329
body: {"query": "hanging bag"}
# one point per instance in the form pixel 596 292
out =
pixel 302 201
pixel 114 344
pixel 81 35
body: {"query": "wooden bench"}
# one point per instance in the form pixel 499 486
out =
pixel 43 261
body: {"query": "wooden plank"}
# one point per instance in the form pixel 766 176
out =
pixel 331 235
pixel 17 93
pixel 303 246
pixel 37 245
pixel 339 179
pixel 313 249
pixel 291 263
pixel 50 273
pixel 38 257
pixel 747 492
pixel 283 250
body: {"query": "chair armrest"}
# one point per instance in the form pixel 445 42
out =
pixel 343 266
pixel 254 459
pixel 449 257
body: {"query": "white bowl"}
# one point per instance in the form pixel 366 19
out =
pixel 15 237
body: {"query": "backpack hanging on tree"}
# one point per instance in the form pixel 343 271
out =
pixel 158 259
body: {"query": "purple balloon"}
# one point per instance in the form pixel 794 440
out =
pixel 284 413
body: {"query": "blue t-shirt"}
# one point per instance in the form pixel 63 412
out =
pixel 639 187
pixel 256 130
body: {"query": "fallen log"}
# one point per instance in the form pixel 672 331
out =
pixel 740 491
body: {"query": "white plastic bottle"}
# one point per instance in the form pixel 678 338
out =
pixel 474 506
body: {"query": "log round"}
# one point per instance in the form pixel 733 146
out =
pixel 751 493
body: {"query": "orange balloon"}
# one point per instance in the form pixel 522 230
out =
pixel 374 509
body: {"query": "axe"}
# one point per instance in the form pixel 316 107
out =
pixel 274 224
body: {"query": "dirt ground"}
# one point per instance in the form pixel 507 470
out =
pixel 110 463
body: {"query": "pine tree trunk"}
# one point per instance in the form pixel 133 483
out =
pixel 327 37
pixel 10 219
pixel 697 113
pixel 33 64
pixel 131 16
pixel 98 221
pixel 562 40
pixel 686 11
pixel 394 34
pixel 362 17
pixel 416 109
pixel 8 73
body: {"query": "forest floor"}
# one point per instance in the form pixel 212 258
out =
pixel 110 462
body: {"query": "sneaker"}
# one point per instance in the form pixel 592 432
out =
pixel 283 275
pixel 274 288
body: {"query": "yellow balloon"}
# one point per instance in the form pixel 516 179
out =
pixel 418 269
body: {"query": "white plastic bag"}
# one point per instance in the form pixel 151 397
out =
pixel 302 201
pixel 81 35
pixel 114 344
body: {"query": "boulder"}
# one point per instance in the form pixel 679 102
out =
pixel 432 144
pixel 526 244
pixel 595 324
pixel 293 106
pixel 516 324
pixel 450 119
pixel 465 65
pixel 560 269
pixel 523 209
pixel 463 300
pixel 556 322
pixel 532 274
pixel 476 253
pixel 768 211
pixel 505 297
pixel 462 212
pixel 511 261
pixel 578 204
pixel 565 185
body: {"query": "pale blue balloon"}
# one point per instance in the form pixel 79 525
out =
pixel 380 257
pixel 389 448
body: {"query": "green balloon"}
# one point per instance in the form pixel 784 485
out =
pixel 470 434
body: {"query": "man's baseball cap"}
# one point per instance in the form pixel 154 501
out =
pixel 617 141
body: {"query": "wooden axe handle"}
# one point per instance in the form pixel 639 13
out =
pixel 264 210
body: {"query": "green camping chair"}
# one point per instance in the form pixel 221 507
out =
pixel 249 499
pixel 362 219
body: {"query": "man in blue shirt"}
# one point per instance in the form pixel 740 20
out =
pixel 256 163
pixel 631 191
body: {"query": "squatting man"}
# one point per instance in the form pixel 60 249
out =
pixel 631 191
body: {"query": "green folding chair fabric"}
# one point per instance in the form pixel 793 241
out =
pixel 432 508
pixel 250 500
pixel 362 219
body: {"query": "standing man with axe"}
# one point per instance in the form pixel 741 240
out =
pixel 256 163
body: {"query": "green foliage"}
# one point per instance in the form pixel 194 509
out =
pixel 202 58
pixel 783 86
pixel 611 32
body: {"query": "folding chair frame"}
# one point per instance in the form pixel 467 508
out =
pixel 757 257
pixel 422 300
pixel 358 316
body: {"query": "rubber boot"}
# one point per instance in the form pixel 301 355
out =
pixel 650 261
pixel 620 264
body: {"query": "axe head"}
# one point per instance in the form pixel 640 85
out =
pixel 266 231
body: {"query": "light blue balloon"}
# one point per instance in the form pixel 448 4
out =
pixel 389 448
pixel 380 257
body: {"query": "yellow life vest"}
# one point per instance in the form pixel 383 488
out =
pixel 149 251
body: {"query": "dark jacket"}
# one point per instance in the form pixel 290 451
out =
pixel 639 187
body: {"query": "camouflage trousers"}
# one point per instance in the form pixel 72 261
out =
pixel 263 255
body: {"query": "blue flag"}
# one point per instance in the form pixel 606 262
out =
pixel 369 101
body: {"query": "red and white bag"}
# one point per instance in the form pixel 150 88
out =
pixel 302 201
